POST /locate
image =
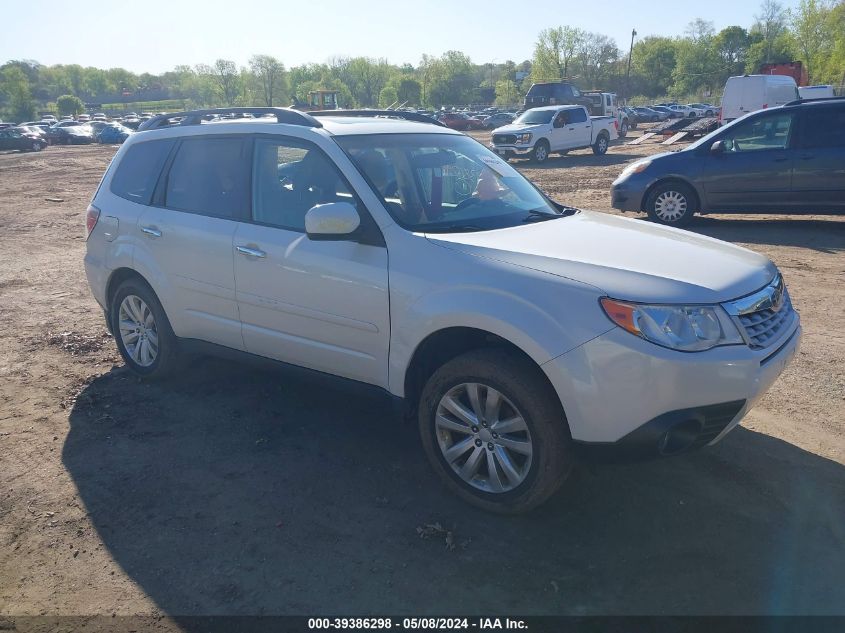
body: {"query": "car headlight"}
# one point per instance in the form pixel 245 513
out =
pixel 523 138
pixel 684 328
pixel 635 168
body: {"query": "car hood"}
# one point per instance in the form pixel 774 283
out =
pixel 624 258
pixel 519 129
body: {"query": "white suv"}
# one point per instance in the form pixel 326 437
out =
pixel 407 256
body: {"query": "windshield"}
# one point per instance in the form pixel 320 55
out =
pixel 446 183
pixel 535 117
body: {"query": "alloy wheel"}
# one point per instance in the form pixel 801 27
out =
pixel 483 437
pixel 138 331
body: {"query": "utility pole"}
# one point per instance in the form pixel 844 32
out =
pixel 628 74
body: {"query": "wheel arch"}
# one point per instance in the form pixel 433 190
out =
pixel 118 276
pixel 669 179
pixel 444 344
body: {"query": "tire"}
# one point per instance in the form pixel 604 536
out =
pixel 623 129
pixel 672 204
pixel 535 419
pixel 36 146
pixel 125 308
pixel 540 153
pixel 601 144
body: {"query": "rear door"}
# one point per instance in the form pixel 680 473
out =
pixel 755 170
pixel 187 235
pixel 818 180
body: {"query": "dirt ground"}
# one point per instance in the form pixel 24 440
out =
pixel 236 490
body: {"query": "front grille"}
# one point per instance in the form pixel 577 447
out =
pixel 504 139
pixel 764 316
pixel 764 327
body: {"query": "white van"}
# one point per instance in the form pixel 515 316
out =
pixel 755 92
pixel 816 92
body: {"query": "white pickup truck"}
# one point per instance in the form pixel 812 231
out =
pixel 541 131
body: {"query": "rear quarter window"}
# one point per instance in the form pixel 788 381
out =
pixel 136 175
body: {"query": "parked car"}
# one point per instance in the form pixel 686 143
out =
pixel 749 93
pixel 786 159
pixel 648 115
pixel 33 129
pixel 497 120
pixel 663 112
pixel 605 104
pixel 71 134
pixel 633 118
pixel 459 121
pixel 12 138
pixel 569 332
pixel 97 126
pixel 705 109
pixel 113 134
pixel 541 131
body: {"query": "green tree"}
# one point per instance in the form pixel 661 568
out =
pixel 268 75
pixel 227 79
pixel 507 92
pixel 409 90
pixel 16 92
pixel 554 52
pixel 70 105
pixel 653 61
pixel 770 26
pixel 811 30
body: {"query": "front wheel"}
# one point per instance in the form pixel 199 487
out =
pixel 623 129
pixel 672 204
pixel 540 152
pixel 601 144
pixel 141 330
pixel 494 431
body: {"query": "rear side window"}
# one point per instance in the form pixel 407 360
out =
pixel 136 175
pixel 210 176
pixel 577 115
pixel 824 127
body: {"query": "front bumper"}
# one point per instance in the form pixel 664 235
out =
pixel 512 150
pixel 628 194
pixel 621 393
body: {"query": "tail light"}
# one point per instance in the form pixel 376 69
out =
pixel 91 218
pixel 616 124
pixel 765 105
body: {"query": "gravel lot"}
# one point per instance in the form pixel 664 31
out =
pixel 237 490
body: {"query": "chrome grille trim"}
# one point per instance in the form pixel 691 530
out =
pixel 765 316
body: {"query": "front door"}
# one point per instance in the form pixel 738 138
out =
pixel 754 172
pixel 323 305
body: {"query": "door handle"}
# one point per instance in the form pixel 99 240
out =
pixel 572 128
pixel 250 252
pixel 151 231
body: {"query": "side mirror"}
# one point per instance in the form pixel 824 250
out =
pixel 718 147
pixel 332 221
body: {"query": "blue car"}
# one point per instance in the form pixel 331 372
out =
pixel 113 134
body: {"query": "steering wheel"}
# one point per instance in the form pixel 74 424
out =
pixel 467 202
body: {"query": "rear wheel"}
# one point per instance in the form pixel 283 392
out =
pixel 141 330
pixel 623 129
pixel 601 144
pixel 540 153
pixel 671 203
pixel 494 431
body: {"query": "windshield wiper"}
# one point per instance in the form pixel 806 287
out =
pixel 455 228
pixel 536 215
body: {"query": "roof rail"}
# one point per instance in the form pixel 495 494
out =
pixel 195 117
pixel 393 114
pixel 815 100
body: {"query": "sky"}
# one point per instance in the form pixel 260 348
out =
pixel 154 36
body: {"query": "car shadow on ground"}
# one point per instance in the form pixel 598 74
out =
pixel 823 235
pixel 233 490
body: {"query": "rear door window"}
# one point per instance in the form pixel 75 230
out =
pixel 577 115
pixel 824 127
pixel 210 176
pixel 136 175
